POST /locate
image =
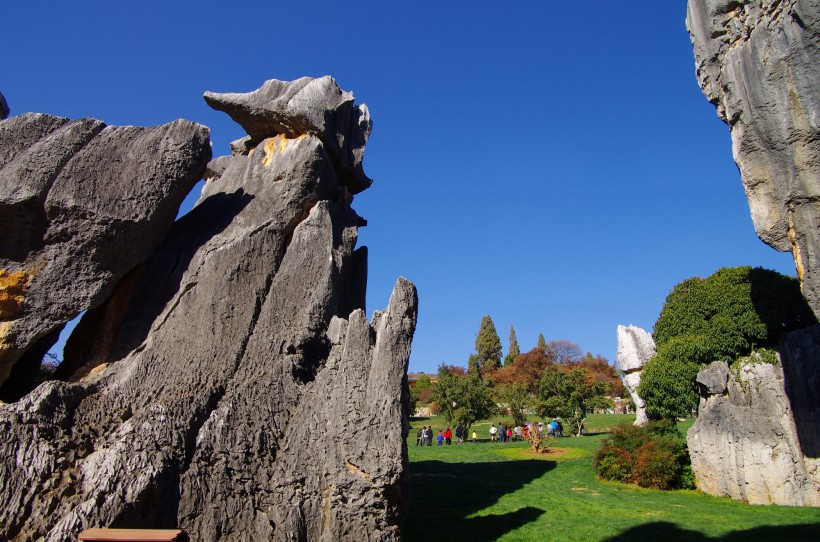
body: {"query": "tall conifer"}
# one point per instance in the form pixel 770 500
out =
pixel 514 351
pixel 487 346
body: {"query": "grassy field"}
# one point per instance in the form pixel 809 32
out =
pixel 492 491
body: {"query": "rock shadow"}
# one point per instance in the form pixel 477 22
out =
pixel 799 350
pixel 669 532
pixel 445 495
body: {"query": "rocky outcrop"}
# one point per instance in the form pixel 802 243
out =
pixel 758 61
pixel 231 385
pixel 4 107
pixel 756 437
pixel 635 348
pixel 81 204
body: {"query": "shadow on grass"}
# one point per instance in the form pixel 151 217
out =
pixel 445 495
pixel 669 532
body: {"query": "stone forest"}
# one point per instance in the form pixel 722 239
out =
pixel 205 341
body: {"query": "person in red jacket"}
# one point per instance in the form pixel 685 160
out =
pixel 448 436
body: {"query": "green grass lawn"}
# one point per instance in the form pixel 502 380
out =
pixel 492 491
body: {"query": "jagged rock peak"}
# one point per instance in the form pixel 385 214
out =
pixel 4 107
pixel 306 106
pixel 635 348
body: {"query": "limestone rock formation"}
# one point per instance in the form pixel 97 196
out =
pixel 231 385
pixel 756 437
pixel 81 204
pixel 635 348
pixel 758 61
pixel 4 107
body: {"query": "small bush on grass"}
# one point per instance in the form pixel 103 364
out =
pixel 652 456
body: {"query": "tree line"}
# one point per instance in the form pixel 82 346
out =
pixel 553 379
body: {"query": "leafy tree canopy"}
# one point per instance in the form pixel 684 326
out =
pixel 723 317
pixel 463 398
pixel 571 393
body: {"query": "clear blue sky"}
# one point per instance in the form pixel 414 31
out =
pixel 551 165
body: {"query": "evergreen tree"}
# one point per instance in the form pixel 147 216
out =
pixel 542 343
pixel 487 346
pixel 514 350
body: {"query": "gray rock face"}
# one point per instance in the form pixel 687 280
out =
pixel 758 61
pixel 4 107
pixel 81 204
pixel 756 437
pixel 231 385
pixel 305 106
pixel 635 348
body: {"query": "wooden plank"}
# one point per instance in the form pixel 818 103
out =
pixel 131 535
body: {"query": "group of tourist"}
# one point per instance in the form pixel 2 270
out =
pixel 499 433
pixel 424 436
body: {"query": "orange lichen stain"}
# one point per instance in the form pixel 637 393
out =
pixel 353 469
pixel 798 259
pixel 276 143
pixel 12 292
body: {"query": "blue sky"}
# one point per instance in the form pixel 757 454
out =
pixel 551 165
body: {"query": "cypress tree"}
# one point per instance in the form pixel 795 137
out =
pixel 514 350
pixel 542 343
pixel 488 346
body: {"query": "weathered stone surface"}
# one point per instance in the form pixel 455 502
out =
pixel 81 204
pixel 714 379
pixel 758 61
pixel 635 348
pixel 231 385
pixel 305 106
pixel 4 107
pixel 746 443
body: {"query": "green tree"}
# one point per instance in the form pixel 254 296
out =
pixel 464 398
pixel 517 398
pixel 514 350
pixel 487 347
pixel 723 317
pixel 570 394
pixel 542 343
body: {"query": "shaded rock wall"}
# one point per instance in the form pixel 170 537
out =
pixel 231 384
pixel 756 437
pixel 81 204
pixel 635 348
pixel 758 61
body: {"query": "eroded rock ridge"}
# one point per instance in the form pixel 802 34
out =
pixel 81 205
pixel 231 385
pixel 758 61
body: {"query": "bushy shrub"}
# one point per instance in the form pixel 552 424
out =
pixel 653 456
pixel 655 466
pixel 613 463
pixel 722 317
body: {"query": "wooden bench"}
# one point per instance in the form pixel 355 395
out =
pixel 133 535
